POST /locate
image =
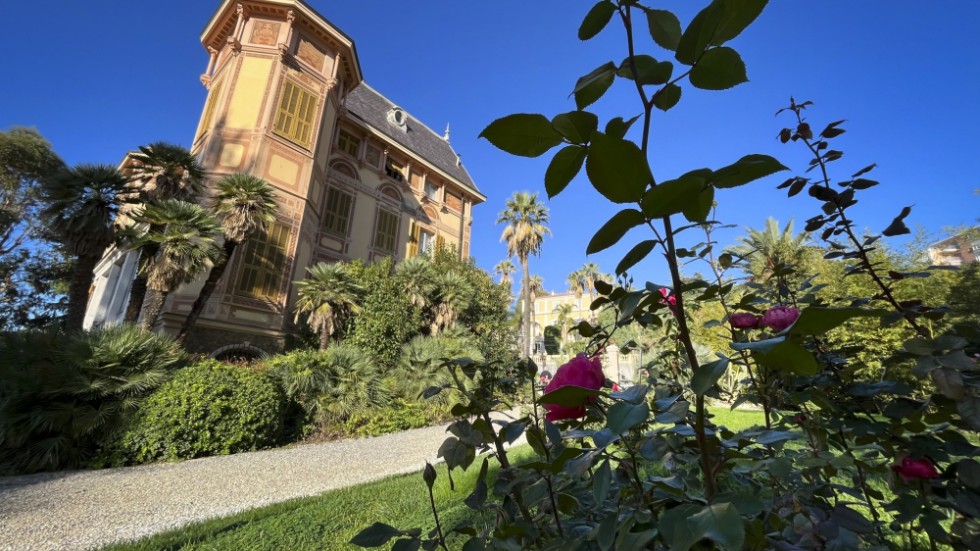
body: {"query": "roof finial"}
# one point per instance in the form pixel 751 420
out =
pixel 446 135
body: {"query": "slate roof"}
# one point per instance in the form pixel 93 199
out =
pixel 365 103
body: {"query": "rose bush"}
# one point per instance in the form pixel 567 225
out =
pixel 648 467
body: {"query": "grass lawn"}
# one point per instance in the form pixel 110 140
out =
pixel 328 522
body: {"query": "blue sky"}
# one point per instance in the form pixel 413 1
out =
pixel 100 78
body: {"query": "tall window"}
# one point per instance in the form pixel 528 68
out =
pixel 427 241
pixel 336 215
pixel 385 231
pixel 348 143
pixel 263 261
pixel 372 156
pixel 431 190
pixel 294 118
pixel 454 201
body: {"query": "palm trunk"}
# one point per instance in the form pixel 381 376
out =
pixel 78 289
pixel 324 340
pixel 527 308
pixel 137 292
pixel 154 304
pixel 214 277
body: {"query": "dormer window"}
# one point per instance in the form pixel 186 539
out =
pixel 395 170
pixel 397 117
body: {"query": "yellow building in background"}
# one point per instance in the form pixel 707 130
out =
pixel 357 177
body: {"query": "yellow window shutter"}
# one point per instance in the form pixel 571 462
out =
pixel 413 239
pixel 440 242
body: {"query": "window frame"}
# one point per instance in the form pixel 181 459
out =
pixel 296 124
pixel 265 274
pixel 393 236
pixel 328 212
pixel 347 141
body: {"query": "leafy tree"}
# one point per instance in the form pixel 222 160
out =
pixel 564 312
pixel 34 270
pixel 326 298
pixel 589 274
pixel 388 319
pixel 80 207
pixel 773 255
pixel 526 221
pixel 453 294
pixel 245 205
pixel 184 238
pixel 417 276
pixel 165 171
pixel 505 269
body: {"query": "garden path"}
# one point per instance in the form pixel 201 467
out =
pixel 81 510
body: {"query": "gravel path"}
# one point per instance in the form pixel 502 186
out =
pixel 80 510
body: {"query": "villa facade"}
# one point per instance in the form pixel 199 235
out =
pixel 356 176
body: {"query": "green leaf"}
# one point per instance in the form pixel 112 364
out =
pixel 412 544
pixel 606 533
pixel 522 134
pixel 600 482
pixel 614 230
pixel 758 346
pixel 898 227
pixel 674 196
pixel 699 211
pixel 718 69
pixel 622 416
pixel 817 320
pixel 721 524
pixel 716 24
pixel 569 396
pixel 707 375
pixel 850 519
pixel 667 97
pixel 375 535
pixel 479 496
pixel 565 165
pixel 735 17
pixel 650 71
pixel 576 126
pixel 617 127
pixel 636 254
pixel 596 20
pixel 665 28
pixel 592 86
pixel 791 356
pixel 745 170
pixel 617 168
pixel 770 437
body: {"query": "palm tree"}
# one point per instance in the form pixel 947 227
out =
pixel 453 292
pixel 505 269
pixel 590 274
pixel 771 252
pixel 417 277
pixel 576 284
pixel 526 221
pixel 564 312
pixel 537 289
pixel 81 204
pixel 245 205
pixel 185 246
pixel 167 171
pixel 327 297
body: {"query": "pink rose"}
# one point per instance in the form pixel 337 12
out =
pixel 669 300
pixel 744 320
pixel 579 371
pixel 916 469
pixel 778 318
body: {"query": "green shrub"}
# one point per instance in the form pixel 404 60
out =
pixel 330 385
pixel 420 365
pixel 65 397
pixel 398 416
pixel 207 409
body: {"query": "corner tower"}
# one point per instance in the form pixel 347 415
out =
pixel 276 77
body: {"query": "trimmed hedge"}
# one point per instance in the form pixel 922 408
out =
pixel 207 409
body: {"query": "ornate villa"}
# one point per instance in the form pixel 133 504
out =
pixel 356 175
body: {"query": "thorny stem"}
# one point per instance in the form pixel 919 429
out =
pixel 846 223
pixel 671 255
pixel 547 456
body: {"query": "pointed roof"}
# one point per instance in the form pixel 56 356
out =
pixel 366 104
